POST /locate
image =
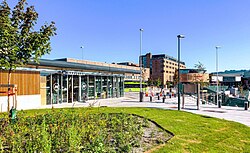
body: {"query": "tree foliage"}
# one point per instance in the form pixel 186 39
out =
pixel 157 82
pixel 175 77
pixel 199 66
pixel 19 42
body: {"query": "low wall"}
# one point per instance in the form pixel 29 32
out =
pixel 23 102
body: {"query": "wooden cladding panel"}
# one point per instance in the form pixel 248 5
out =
pixel 43 89
pixel 28 82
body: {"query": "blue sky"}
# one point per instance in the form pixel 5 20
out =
pixel 109 30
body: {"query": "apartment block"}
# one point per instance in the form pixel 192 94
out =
pixel 161 66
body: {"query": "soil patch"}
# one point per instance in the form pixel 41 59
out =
pixel 154 136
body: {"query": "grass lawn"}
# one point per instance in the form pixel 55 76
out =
pixel 193 133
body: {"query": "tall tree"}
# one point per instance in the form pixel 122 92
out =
pixel 19 42
pixel 199 66
pixel 175 77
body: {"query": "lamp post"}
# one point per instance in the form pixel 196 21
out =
pixel 82 51
pixel 217 79
pixel 179 50
pixel 140 63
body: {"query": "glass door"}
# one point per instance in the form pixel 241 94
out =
pixel 84 88
pixel 114 86
pixel 76 88
pixel 110 92
pixel 55 89
pixel 105 86
pixel 65 88
pixel 91 87
pixel 121 87
pixel 98 87
pixel 70 89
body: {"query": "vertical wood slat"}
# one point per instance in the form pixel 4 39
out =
pixel 43 90
pixel 28 82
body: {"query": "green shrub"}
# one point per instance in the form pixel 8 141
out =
pixel 67 131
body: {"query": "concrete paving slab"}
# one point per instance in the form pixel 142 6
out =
pixel 237 114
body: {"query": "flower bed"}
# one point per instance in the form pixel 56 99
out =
pixel 68 131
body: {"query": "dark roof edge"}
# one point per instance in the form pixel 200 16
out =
pixel 64 64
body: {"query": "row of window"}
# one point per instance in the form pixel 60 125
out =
pixel 132 77
pixel 170 72
pixel 70 88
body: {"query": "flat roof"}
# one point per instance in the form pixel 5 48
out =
pixel 85 65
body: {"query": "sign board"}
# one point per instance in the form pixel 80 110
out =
pixel 56 86
pixel 84 86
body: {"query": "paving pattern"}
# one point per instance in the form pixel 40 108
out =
pixel 237 114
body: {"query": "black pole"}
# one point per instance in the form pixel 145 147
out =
pixel 140 63
pixel 179 97
pixel 179 54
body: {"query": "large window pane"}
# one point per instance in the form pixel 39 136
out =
pixel 122 87
pixel 75 88
pixel 98 86
pixel 91 87
pixel 70 84
pixel 65 88
pixel 104 87
pixel 55 88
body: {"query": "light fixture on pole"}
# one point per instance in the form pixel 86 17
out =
pixel 179 50
pixel 82 51
pixel 140 63
pixel 217 79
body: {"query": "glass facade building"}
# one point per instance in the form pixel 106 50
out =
pixel 69 87
pixel 70 80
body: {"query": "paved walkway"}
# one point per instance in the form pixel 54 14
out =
pixel 237 114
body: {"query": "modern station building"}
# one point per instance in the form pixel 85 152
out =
pixel 65 81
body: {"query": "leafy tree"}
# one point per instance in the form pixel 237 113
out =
pixel 19 42
pixel 157 82
pixel 168 83
pixel 199 66
pixel 175 78
pixel 150 82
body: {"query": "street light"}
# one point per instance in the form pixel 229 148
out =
pixel 82 51
pixel 140 63
pixel 179 50
pixel 217 79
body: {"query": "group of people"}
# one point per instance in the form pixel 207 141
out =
pixel 163 92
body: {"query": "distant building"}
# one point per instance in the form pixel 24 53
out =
pixel 230 78
pixel 161 66
pixel 128 64
pixel 133 76
pixel 246 80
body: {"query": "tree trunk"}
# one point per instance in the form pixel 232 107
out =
pixel 9 77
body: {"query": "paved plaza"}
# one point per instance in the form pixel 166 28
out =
pixel 237 114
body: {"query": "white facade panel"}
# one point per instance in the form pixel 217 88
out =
pixel 237 78
pixel 23 102
pixel 214 78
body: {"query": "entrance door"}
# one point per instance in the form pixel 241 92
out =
pixel 56 98
pixel 65 88
pixel 76 88
pixel 84 89
pixel 70 88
